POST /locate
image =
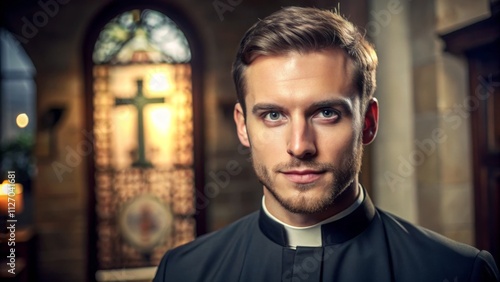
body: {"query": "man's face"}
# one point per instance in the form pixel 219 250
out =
pixel 304 127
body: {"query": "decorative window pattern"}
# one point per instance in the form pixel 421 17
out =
pixel 141 32
pixel 143 130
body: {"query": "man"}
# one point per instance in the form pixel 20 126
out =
pixel 305 80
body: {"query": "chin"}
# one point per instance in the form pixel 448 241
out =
pixel 308 200
pixel 307 205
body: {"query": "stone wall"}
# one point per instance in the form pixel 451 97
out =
pixel 422 160
pixel 442 124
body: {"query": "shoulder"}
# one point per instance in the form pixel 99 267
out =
pixel 421 248
pixel 187 260
pixel 407 232
pixel 217 239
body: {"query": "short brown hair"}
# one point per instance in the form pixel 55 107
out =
pixel 306 30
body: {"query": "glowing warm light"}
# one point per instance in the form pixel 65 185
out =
pixel 22 120
pixel 7 187
pixel 161 132
pixel 158 82
pixel 11 195
pixel 162 121
pixel 124 118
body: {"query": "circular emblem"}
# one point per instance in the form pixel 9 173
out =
pixel 145 222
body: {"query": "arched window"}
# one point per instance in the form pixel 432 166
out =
pixel 143 130
pixel 17 125
pixel 18 99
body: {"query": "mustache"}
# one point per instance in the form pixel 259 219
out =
pixel 309 164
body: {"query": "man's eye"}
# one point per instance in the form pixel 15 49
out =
pixel 272 116
pixel 327 113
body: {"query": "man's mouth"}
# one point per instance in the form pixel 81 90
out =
pixel 304 176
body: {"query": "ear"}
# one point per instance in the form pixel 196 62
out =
pixel 241 127
pixel 370 126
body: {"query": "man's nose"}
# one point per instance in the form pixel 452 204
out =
pixel 301 142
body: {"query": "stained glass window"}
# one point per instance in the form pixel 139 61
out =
pixel 135 34
pixel 143 128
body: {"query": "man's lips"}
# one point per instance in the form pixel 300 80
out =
pixel 302 176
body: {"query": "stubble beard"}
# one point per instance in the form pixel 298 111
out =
pixel 343 177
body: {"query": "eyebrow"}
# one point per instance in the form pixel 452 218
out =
pixel 343 103
pixel 266 107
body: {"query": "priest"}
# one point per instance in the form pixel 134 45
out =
pixel 305 80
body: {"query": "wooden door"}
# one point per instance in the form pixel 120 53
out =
pixel 480 43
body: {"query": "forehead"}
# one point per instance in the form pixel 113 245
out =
pixel 298 75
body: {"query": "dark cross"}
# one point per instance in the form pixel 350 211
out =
pixel 139 101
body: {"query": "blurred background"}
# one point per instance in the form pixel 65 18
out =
pixel 116 126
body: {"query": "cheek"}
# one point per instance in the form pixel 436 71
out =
pixel 337 143
pixel 265 139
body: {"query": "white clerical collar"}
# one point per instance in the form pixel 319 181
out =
pixel 310 236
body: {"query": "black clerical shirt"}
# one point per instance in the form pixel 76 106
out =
pixel 366 245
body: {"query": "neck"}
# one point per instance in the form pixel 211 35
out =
pixel 341 202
